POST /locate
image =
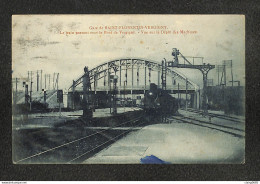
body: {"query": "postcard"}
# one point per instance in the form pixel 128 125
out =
pixel 128 89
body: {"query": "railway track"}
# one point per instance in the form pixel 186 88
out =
pixel 221 116
pixel 82 156
pixel 78 150
pixel 213 126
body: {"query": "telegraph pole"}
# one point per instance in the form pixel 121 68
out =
pixel 16 81
pixel 31 93
pixel 225 76
pixel 31 75
pixel 218 75
pixel 45 81
pixel 53 80
pixel 49 81
pixel 232 74
pixel 41 79
pixel 37 81
pixel 57 81
pixel 26 99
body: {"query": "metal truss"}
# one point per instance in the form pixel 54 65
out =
pixel 117 65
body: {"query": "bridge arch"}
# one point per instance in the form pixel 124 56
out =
pixel 121 68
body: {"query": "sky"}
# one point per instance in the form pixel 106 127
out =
pixel 40 42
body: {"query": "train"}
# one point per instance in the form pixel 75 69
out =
pixel 158 101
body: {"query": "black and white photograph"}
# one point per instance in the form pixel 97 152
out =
pixel 128 89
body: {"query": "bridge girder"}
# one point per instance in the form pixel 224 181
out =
pixel 101 71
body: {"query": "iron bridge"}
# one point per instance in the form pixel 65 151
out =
pixel 134 77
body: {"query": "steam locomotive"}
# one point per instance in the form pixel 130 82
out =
pixel 158 101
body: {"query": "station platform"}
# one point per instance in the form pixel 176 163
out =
pixel 45 120
pixel 175 143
